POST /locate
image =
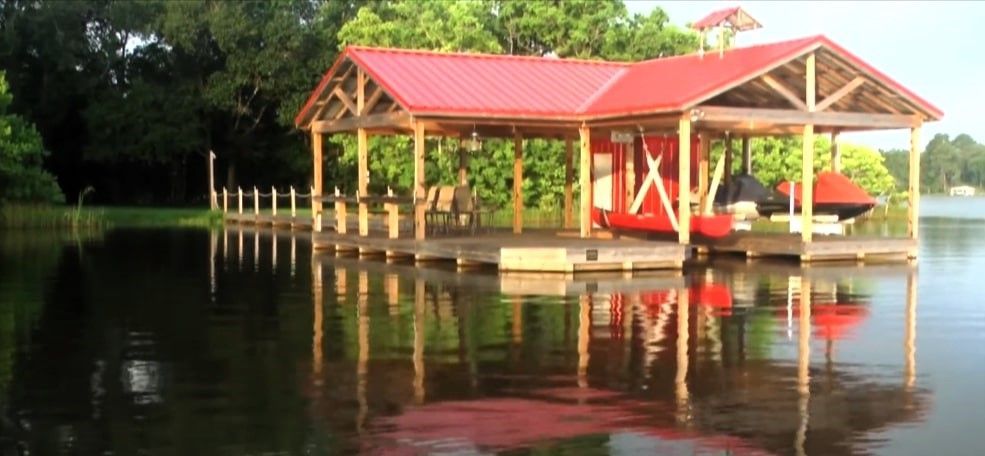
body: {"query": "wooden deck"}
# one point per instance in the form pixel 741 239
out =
pixel 514 283
pixel 824 248
pixel 540 250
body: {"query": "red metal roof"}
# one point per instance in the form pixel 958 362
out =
pixel 481 85
pixel 673 83
pixel 715 18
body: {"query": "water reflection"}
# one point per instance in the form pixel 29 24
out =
pixel 244 355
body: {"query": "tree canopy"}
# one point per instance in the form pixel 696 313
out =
pixel 129 97
pixel 21 176
pixel 945 163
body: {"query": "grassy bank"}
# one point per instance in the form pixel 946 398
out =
pixel 71 217
pixel 24 216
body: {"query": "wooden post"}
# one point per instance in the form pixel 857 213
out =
pixel 746 155
pixel 629 174
pixel 225 200
pixel 240 200
pixel 684 180
pixel 835 153
pixel 341 214
pixel 393 222
pixel 294 206
pixel 727 178
pixel 585 182
pixel 213 204
pixel 807 171
pixel 316 184
pixel 463 166
pixel 913 213
pixel 273 200
pixel 569 176
pixel 703 157
pixel 419 196
pixel 362 143
pixel 256 201
pixel 517 183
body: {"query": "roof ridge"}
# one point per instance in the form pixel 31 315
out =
pixel 805 39
pixel 487 55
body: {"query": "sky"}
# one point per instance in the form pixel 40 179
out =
pixel 932 48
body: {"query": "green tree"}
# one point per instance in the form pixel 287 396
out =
pixel 22 177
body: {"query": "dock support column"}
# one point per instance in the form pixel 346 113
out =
pixel 517 183
pixel 703 157
pixel 684 180
pixel 256 202
pixel 273 202
pixel 225 200
pixel 362 146
pixel 727 178
pixel 835 153
pixel 569 177
pixel 463 166
pixel 746 155
pixel 316 184
pixel 240 208
pixel 585 182
pixel 913 213
pixel 419 197
pixel 807 171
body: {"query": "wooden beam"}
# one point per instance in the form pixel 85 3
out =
pixel 782 89
pixel 362 178
pixel 419 193
pixel 585 182
pixel 807 171
pixel 316 178
pixel 398 120
pixel 371 102
pixel 835 153
pixel 749 118
pixel 840 93
pixel 913 213
pixel 346 100
pixel 569 174
pixel 517 183
pixel 684 180
pixel 746 155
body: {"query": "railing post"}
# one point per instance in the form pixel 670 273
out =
pixel 393 226
pixel 294 207
pixel 240 200
pixel 340 213
pixel 256 202
pixel 225 200
pixel 273 196
pixel 315 213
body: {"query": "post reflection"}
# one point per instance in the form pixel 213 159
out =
pixel 659 356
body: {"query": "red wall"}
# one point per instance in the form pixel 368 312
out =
pixel 667 146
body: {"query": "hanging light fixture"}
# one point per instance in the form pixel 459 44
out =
pixel 474 143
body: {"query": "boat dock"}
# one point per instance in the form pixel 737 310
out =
pixel 822 248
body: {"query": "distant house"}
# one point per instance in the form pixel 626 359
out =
pixel 963 190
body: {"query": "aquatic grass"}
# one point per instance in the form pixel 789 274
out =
pixel 42 216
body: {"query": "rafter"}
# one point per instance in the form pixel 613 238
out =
pixel 389 120
pixel 372 100
pixel 840 93
pixel 345 99
pixel 781 89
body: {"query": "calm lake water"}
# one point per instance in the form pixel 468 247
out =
pixel 197 342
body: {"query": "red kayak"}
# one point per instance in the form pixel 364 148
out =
pixel 717 225
pixel 833 194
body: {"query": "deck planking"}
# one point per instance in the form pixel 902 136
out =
pixel 823 248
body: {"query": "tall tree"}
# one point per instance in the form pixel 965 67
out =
pixel 22 177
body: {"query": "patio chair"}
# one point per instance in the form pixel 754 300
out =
pixel 466 209
pixel 441 214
